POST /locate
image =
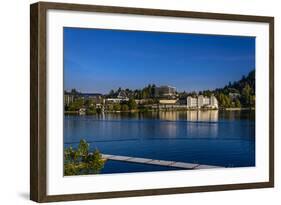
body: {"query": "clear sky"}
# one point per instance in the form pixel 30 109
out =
pixel 100 60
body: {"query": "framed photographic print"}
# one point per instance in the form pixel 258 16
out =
pixel 134 102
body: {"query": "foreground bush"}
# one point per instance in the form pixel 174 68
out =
pixel 79 161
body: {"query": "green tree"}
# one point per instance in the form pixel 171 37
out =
pixel 144 94
pixel 224 100
pixel 124 107
pixel 91 110
pixel 89 102
pixel 76 105
pixel 252 101
pixel 193 94
pixel 116 107
pixel 81 161
pixel 83 148
pixel 207 93
pixel 132 104
pixel 109 107
pixel 237 103
pixel 246 94
pixel 111 93
pixel 227 101
pixel 74 91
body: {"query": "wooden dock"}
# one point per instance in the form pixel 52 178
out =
pixel 181 165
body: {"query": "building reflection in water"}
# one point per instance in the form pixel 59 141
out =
pixel 194 115
pixel 196 124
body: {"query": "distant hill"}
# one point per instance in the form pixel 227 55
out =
pixel 238 93
pixel 238 86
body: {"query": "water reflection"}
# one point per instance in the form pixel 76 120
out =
pixel 210 137
pixel 204 116
pixel 195 116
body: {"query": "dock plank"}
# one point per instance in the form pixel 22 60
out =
pixel 202 166
pixel 182 165
pixel 161 162
pixel 139 160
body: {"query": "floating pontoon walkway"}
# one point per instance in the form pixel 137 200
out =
pixel 181 165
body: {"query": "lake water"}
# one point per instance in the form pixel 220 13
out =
pixel 221 138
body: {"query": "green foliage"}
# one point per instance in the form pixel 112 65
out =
pixel 246 94
pixel 91 110
pixel 143 109
pixel 74 91
pixel 235 94
pixel 132 104
pixel 224 100
pixel 76 105
pixel 207 93
pixel 109 107
pixel 124 107
pixel 151 101
pixel 89 102
pixel 111 93
pixel 193 94
pixel 80 161
pixel 252 100
pixel 116 107
pixel 145 93
pixel 237 103
pixel 83 148
pixel 245 88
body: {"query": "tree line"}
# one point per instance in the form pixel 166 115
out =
pixel 245 90
pixel 239 93
pixel 147 92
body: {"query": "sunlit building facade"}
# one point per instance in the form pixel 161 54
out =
pixel 202 101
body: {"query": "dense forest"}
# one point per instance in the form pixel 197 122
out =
pixel 239 93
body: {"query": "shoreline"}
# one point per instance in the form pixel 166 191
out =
pixel 162 110
pixel 238 109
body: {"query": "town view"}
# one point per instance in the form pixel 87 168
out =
pixel 138 101
pixel 234 96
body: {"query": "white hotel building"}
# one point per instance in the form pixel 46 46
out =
pixel 202 101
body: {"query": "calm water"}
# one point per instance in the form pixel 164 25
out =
pixel 222 138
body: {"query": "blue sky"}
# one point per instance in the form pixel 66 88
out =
pixel 100 60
